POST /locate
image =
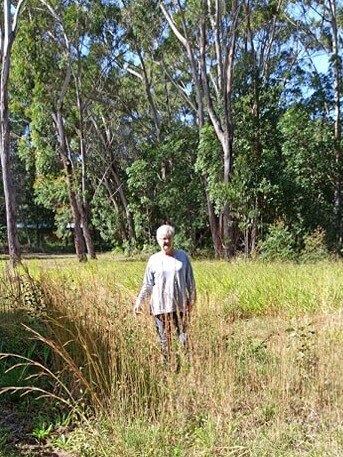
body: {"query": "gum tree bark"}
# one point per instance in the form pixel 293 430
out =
pixel 8 29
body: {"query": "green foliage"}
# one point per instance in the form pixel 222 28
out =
pixel 315 248
pixel 279 243
pixel 163 186
pixel 131 104
pixel 308 193
pixel 256 188
pixel 51 193
pixel 47 422
pixel 42 431
pixel 3 234
pixel 209 165
pixel 142 181
pixel 182 242
pixel 106 219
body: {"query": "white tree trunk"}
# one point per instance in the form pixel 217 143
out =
pixel 7 34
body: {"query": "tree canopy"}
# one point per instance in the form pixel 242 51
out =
pixel 220 117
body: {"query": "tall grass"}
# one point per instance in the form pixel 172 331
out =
pixel 264 378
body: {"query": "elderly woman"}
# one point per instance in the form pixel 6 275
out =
pixel 169 282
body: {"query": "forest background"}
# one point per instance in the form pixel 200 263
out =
pixel 222 118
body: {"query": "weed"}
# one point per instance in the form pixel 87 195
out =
pixel 42 432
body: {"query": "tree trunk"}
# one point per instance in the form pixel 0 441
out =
pixel 214 227
pixel 83 205
pixel 228 245
pixel 213 219
pixel 80 247
pixel 84 213
pixel 9 191
pixel 79 242
pixel 337 132
pixel 7 31
pixel 253 237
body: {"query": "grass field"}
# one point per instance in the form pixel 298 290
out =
pixel 264 379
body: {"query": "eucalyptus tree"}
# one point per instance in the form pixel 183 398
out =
pixel 71 36
pixel 74 80
pixel 319 25
pixel 237 56
pixel 55 95
pixel 331 15
pixel 143 43
pixel 208 31
pixel 8 29
pixel 307 191
pixel 113 147
pixel 32 101
pixel 108 101
pixel 266 67
pixel 151 109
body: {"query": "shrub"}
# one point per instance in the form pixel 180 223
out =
pixel 314 246
pixel 279 243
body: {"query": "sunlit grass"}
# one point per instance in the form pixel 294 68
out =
pixel 242 288
pixel 265 375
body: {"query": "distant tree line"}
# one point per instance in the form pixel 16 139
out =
pixel 220 117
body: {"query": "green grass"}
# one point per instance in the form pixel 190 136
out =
pixel 265 377
pixel 242 288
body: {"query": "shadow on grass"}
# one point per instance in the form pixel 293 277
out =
pixel 16 419
pixel 18 413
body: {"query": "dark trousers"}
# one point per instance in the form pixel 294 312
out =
pixel 166 325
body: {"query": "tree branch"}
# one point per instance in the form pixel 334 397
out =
pixel 179 36
pixel 16 15
pixel 135 73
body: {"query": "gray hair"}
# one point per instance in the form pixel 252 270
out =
pixel 166 230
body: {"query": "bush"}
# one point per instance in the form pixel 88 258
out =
pixel 183 242
pixel 279 243
pixel 314 246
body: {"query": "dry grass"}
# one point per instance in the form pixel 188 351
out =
pixel 264 380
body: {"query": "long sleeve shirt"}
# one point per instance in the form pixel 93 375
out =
pixel 169 282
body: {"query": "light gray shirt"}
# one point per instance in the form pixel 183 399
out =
pixel 169 282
